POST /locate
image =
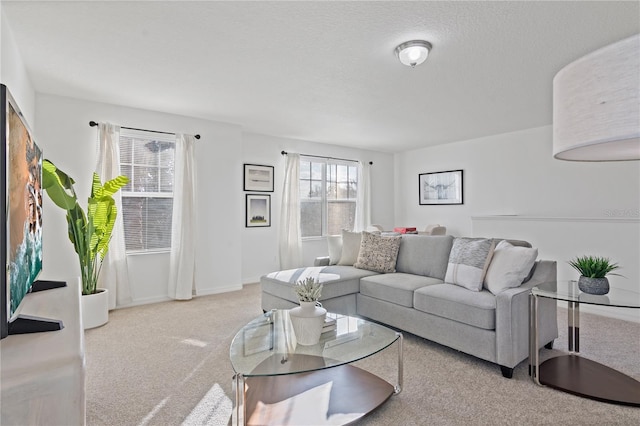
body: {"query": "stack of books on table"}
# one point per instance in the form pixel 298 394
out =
pixel 329 324
pixel 405 230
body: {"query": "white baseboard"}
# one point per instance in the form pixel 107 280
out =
pixel 158 299
pixel 145 301
pixel 219 290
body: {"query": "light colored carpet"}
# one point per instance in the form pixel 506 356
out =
pixel 168 364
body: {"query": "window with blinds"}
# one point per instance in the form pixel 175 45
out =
pixel 147 158
pixel 328 194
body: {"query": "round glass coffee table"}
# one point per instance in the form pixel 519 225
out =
pixel 278 381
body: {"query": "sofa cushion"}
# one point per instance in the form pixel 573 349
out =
pixel 468 262
pixel 336 281
pixel 509 267
pixel 396 288
pixel 334 244
pixel 350 247
pixel 457 303
pixel 378 253
pixel 424 255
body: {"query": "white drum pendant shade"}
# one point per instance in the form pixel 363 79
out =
pixel 596 105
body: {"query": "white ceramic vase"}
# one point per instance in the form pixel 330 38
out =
pixel 307 320
pixel 95 308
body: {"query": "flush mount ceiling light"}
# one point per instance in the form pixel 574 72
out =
pixel 413 52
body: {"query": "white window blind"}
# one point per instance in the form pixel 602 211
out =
pixel 328 194
pixel 147 158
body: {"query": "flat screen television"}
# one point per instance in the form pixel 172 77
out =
pixel 21 250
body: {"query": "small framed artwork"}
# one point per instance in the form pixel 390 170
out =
pixel 258 210
pixel 258 178
pixel 440 187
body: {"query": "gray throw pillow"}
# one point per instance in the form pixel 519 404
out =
pixel 378 253
pixel 468 262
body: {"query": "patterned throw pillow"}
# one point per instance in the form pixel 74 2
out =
pixel 468 262
pixel 378 253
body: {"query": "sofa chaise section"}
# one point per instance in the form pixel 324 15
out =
pixel 340 284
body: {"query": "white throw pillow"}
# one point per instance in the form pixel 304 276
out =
pixel 335 248
pixel 468 262
pixel 509 266
pixel 350 247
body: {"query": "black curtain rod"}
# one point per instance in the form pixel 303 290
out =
pixel 94 124
pixel 322 156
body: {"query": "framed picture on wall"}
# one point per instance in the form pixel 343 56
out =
pixel 440 187
pixel 258 178
pixel 258 210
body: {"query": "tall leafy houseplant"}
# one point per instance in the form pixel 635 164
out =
pixel 90 233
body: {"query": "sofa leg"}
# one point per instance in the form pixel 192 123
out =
pixel 506 372
pixel 549 345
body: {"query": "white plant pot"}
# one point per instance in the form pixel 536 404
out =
pixel 95 308
pixel 307 320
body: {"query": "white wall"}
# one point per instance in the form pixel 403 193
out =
pixel 224 261
pixel 516 174
pixel 13 73
pixel 67 140
pixel 260 245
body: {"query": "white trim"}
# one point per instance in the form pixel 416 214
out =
pixel 556 219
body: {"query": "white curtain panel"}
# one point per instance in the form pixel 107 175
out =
pixel 290 240
pixel 182 260
pixel 114 275
pixel 363 201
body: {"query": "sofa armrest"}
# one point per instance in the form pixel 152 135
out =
pixel 512 317
pixel 321 261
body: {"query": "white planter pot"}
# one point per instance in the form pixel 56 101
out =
pixel 307 320
pixel 95 309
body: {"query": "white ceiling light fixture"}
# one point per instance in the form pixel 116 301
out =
pixel 596 105
pixel 413 52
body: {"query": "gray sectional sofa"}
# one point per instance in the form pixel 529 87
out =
pixel 415 298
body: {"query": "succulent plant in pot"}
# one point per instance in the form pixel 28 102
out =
pixel 593 273
pixel 308 318
pixel 308 290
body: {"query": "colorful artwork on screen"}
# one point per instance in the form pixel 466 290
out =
pixel 25 209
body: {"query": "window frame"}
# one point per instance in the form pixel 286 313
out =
pixel 150 136
pixel 324 199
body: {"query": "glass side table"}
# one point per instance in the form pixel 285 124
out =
pixel 572 373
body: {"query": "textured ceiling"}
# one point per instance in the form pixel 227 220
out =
pixel 320 71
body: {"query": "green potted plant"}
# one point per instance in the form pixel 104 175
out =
pixel 593 273
pixel 308 290
pixel 90 233
pixel 308 318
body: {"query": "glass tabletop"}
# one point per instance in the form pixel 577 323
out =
pixel 569 291
pixel 267 345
